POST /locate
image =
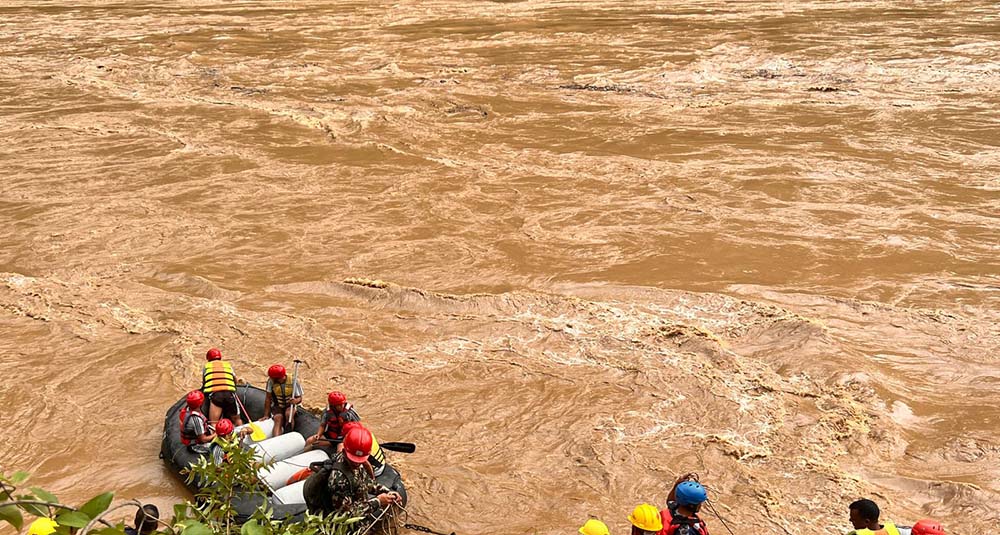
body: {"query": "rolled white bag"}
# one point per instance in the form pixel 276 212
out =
pixel 291 494
pixel 279 448
pixel 277 476
pixel 267 426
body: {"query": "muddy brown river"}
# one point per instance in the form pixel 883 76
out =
pixel 569 249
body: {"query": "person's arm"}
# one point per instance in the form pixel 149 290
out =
pixel 267 401
pixel 296 394
pixel 321 432
pixel 205 433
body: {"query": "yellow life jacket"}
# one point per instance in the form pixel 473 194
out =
pixel 887 529
pixel 281 394
pixel 377 453
pixel 218 376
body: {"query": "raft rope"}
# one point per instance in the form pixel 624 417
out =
pixel 418 527
pixel 717 515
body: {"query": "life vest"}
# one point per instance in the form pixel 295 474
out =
pixel 887 529
pixel 218 376
pixel 377 458
pixel 281 394
pixel 183 416
pixel 677 524
pixel 335 422
pixel 188 438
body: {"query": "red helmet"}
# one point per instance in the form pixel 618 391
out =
pixel 358 444
pixel 346 428
pixel 195 399
pixel 213 354
pixel 928 527
pixel 336 398
pixel 276 372
pixel 224 427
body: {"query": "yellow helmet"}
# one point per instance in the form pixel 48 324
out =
pixel 646 517
pixel 594 527
pixel 42 526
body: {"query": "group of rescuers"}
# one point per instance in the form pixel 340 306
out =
pixel 687 496
pixel 345 484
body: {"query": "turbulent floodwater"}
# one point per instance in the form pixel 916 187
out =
pixel 621 240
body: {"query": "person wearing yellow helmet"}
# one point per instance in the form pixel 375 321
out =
pixel 645 520
pixel 594 527
pixel 42 526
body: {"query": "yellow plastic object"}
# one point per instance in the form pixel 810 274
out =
pixel 256 433
pixel 646 517
pixel 42 526
pixel 594 527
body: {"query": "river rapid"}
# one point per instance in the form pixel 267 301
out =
pixel 569 249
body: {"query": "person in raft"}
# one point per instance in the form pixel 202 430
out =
pixel 282 397
pixel 331 429
pixel 864 515
pixel 218 382
pixel 683 503
pixel 345 484
pixel 645 520
pixel 377 457
pixel 195 431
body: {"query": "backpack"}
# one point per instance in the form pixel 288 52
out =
pixel 315 491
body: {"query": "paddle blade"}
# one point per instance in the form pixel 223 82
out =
pixel 256 433
pixel 402 447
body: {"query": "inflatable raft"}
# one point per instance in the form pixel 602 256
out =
pixel 286 450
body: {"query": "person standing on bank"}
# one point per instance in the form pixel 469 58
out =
pixel 218 382
pixel 683 503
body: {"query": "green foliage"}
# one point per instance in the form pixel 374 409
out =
pixel 97 505
pixel 222 484
pixel 12 515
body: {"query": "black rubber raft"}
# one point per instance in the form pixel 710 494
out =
pixel 178 457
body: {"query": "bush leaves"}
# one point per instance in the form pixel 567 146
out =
pixel 97 504
pixel 73 519
pixel 12 515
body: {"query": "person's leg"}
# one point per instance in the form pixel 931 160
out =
pixel 279 422
pixel 214 413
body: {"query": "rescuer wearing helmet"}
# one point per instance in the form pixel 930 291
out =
pixel 195 432
pixel 864 516
pixel 282 397
pixel 645 520
pixel 593 527
pixel 345 484
pixel 218 382
pixel 223 431
pixel 377 457
pixel 683 503
pixel 331 430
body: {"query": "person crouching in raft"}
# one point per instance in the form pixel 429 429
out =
pixel 223 431
pixel 331 430
pixel 218 382
pixel 683 503
pixel 195 432
pixel 345 484
pixel 282 397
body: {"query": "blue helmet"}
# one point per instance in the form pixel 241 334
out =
pixel 690 493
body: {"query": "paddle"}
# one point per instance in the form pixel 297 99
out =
pixel 256 433
pixel 402 447
pixel 295 378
